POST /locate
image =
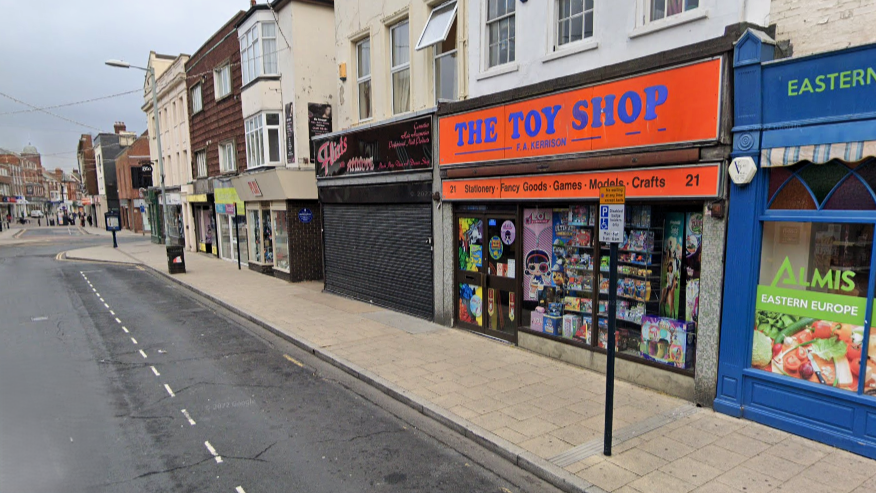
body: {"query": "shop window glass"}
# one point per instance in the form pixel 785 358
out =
pixel 811 304
pixel 281 241
pixel 835 185
pixel 255 236
pixel 268 238
pixel 471 244
pixel 821 179
pixel 851 195
pixel 794 195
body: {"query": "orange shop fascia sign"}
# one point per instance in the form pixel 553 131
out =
pixel 671 106
pixel 694 181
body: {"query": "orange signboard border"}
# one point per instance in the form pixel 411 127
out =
pixel 645 111
pixel 704 181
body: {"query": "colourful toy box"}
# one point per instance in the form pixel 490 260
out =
pixel 536 321
pixel 553 325
pixel 668 341
pixel 571 323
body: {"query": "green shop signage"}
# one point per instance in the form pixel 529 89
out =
pixel 823 306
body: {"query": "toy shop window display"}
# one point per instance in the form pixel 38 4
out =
pixel 566 280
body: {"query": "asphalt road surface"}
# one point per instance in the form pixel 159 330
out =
pixel 114 379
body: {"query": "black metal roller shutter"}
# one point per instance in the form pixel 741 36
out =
pixel 381 254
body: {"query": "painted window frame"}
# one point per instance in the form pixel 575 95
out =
pixel 400 68
pixel 197 95
pixel 222 81
pixel 258 132
pixel 556 19
pixel 650 7
pixel 201 163
pixel 226 155
pixel 364 79
pixel 489 65
pixel 255 62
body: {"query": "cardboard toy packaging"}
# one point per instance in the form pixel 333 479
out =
pixel 536 321
pixel 553 325
pixel 668 341
pixel 571 323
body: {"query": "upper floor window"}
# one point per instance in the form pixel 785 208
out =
pixel 201 163
pixel 661 9
pixel 363 78
pixel 262 140
pixel 258 51
pixel 574 21
pixel 197 103
pixel 400 68
pixel 222 81
pixel 440 32
pixel 500 31
pixel 227 160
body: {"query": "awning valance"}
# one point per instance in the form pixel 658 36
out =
pixel 818 154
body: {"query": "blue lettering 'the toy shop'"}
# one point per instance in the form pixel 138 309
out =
pixel 599 112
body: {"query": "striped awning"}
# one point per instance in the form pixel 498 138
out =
pixel 818 154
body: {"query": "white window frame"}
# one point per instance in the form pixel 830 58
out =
pixel 201 163
pixel 222 81
pixel 394 69
pixel 197 98
pixel 649 9
pixel 227 155
pixel 486 37
pixel 253 61
pixel 555 25
pixel 361 79
pixel 257 131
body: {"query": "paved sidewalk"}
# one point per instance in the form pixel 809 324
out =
pixel 542 414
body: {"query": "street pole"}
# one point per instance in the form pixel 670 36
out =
pixel 237 234
pixel 610 348
pixel 151 71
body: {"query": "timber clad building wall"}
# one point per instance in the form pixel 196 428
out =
pixel 815 26
pixel 219 121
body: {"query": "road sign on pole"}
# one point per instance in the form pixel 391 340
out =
pixel 611 231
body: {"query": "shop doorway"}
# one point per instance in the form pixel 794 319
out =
pixel 486 273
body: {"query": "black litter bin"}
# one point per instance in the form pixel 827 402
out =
pixel 176 260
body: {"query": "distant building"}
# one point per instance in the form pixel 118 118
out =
pixel 133 169
pixel 107 147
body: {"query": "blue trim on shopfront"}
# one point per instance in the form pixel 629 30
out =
pixel 764 118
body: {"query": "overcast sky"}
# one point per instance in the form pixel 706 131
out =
pixel 53 52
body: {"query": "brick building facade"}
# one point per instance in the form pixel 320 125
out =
pixel 135 156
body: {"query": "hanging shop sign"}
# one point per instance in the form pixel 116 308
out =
pixel 174 199
pixel 290 134
pixel 699 181
pixel 666 107
pixel 826 88
pixel 319 122
pixel 402 146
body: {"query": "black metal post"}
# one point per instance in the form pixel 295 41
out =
pixel 237 234
pixel 610 348
pixel 115 243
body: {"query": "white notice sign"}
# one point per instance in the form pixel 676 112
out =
pixel 611 223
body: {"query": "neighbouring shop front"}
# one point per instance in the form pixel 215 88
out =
pixel 797 348
pixel 278 228
pixel 523 179
pixel 375 189
pixel 230 223
pixel 203 213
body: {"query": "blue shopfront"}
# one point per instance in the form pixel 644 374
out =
pixel 796 347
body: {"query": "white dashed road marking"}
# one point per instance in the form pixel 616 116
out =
pixel 104 304
pixel 239 489
pixel 125 329
pixel 117 320
pixel 142 353
pixel 134 340
pixel 169 391
pixel 155 371
pixel 111 312
pixel 213 451
pixel 186 414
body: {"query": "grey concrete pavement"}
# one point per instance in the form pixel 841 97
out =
pixel 539 413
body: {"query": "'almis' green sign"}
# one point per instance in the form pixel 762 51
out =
pixel 825 306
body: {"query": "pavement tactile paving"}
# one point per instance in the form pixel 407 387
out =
pixel 516 395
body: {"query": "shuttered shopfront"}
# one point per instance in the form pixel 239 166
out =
pixel 381 254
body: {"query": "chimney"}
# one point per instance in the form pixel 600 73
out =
pixel 119 127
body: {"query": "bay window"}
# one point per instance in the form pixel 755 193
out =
pixel 258 51
pixel 262 139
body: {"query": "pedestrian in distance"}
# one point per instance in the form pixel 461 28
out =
pixel 89 221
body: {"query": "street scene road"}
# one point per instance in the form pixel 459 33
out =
pixel 114 379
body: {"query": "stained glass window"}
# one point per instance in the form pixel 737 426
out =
pixel 835 185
